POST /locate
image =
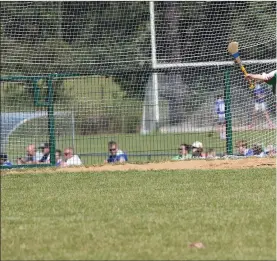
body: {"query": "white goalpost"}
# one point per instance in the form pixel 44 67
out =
pixel 151 110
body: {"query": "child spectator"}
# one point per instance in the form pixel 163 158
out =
pixel 242 149
pixel 197 150
pixel 270 151
pixel 211 154
pixel 116 155
pixel 258 151
pixel 4 160
pixel 58 156
pixel 184 152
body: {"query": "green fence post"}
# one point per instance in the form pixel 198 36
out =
pixel 228 114
pixel 51 123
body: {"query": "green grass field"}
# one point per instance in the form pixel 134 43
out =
pixel 139 215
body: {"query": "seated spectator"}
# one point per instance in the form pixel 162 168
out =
pixel 58 156
pixel 32 157
pixel 197 150
pixel 46 153
pixel 116 155
pixel 211 154
pixel 242 149
pixel 270 151
pixel 70 159
pixel 4 160
pixel 184 152
pixel 258 151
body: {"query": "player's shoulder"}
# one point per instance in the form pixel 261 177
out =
pixel 120 152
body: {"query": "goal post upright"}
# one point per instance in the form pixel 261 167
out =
pixel 229 127
pixel 154 64
pixel 51 120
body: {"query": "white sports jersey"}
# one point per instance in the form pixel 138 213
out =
pixel 220 106
pixel 268 76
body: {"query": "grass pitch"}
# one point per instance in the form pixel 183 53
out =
pixel 139 215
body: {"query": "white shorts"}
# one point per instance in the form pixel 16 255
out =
pixel 221 118
pixel 260 106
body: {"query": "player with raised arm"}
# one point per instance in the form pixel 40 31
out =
pixel 269 78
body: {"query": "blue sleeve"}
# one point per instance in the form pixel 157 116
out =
pixel 250 153
pixel 58 164
pixel 9 164
pixel 124 156
pixel 121 156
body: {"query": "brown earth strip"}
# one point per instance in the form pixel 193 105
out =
pixel 246 163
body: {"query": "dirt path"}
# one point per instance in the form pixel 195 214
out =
pixel 179 165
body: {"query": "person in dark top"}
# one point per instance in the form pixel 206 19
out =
pixel 46 153
pixel 4 160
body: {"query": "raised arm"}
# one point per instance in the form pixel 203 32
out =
pixel 261 77
pixel 258 77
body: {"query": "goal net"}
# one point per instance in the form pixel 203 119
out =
pixel 189 52
pixel 145 74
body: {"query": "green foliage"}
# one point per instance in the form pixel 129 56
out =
pixel 108 119
pixel 12 95
pixel 133 83
pixel 265 16
pixel 115 36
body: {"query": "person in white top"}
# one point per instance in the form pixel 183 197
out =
pixel 220 111
pixel 70 159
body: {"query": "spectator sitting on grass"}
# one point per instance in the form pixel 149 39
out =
pixel 46 153
pixel 211 154
pixel 116 155
pixel 70 159
pixel 32 157
pixel 242 149
pixel 197 150
pixel 58 156
pixel 4 160
pixel 184 152
pixel 258 151
pixel 270 151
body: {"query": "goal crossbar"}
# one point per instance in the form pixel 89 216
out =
pixel 202 64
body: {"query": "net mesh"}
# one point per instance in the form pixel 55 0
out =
pixel 109 93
